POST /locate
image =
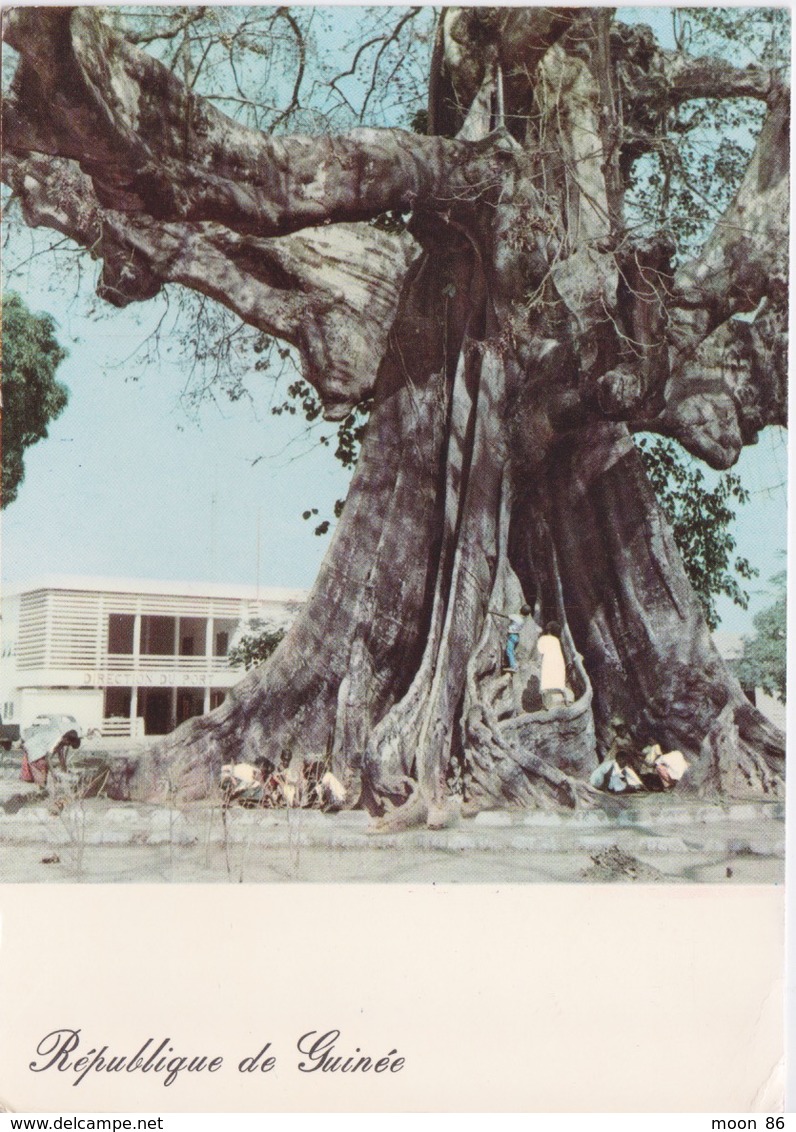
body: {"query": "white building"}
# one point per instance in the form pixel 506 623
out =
pixel 128 657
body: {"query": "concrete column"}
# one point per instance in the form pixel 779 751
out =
pixel 209 626
pixel 136 663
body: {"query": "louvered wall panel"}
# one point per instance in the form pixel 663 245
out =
pixel 233 609
pixel 32 643
pixel 120 603
pixel 165 605
pixel 75 629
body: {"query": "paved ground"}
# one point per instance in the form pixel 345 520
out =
pixel 649 839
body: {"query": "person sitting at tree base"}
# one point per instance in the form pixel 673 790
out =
pixel 624 771
pixel 667 768
pixel 616 773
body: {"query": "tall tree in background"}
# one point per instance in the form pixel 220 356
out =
pixel 31 395
pixel 513 335
pixel 763 663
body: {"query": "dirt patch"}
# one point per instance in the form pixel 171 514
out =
pixel 614 864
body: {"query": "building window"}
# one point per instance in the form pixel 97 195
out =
pixel 118 702
pixel 120 633
pixel 223 634
pixel 193 632
pixel 158 636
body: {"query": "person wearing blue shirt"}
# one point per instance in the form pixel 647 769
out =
pixel 516 622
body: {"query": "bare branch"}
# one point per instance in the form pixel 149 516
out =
pixel 302 63
pixel 192 16
pixel 387 40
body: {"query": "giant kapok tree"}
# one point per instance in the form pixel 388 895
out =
pixel 514 329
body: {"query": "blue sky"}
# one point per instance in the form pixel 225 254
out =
pixel 129 483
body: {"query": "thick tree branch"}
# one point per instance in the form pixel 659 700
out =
pixel 687 78
pixel 653 79
pixel 331 292
pixel 734 385
pixel 151 146
pixel 470 41
pixel 653 82
pixel 745 257
pixel 689 369
pixel 743 265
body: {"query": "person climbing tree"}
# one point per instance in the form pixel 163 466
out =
pixel 516 625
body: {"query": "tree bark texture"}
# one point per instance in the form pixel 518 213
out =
pixel 513 338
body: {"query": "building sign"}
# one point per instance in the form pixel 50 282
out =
pixel 169 678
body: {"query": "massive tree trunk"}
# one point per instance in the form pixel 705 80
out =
pixel 523 335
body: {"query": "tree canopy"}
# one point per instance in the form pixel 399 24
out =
pixel 519 289
pixel 32 397
pixel 763 663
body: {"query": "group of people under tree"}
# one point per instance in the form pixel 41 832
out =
pixel 485 286
pixel 626 766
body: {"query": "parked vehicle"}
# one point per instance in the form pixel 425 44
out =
pixel 9 734
pixel 68 725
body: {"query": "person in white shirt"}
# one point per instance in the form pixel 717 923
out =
pixel 553 680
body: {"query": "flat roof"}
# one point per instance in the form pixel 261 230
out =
pixel 152 586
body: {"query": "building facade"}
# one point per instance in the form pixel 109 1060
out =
pixel 126 657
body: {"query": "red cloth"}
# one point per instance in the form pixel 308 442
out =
pixel 33 772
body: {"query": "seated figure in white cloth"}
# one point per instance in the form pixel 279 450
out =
pixel 553 680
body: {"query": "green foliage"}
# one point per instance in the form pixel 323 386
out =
pixel 700 519
pixel 763 664
pixel 256 645
pixel 31 395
